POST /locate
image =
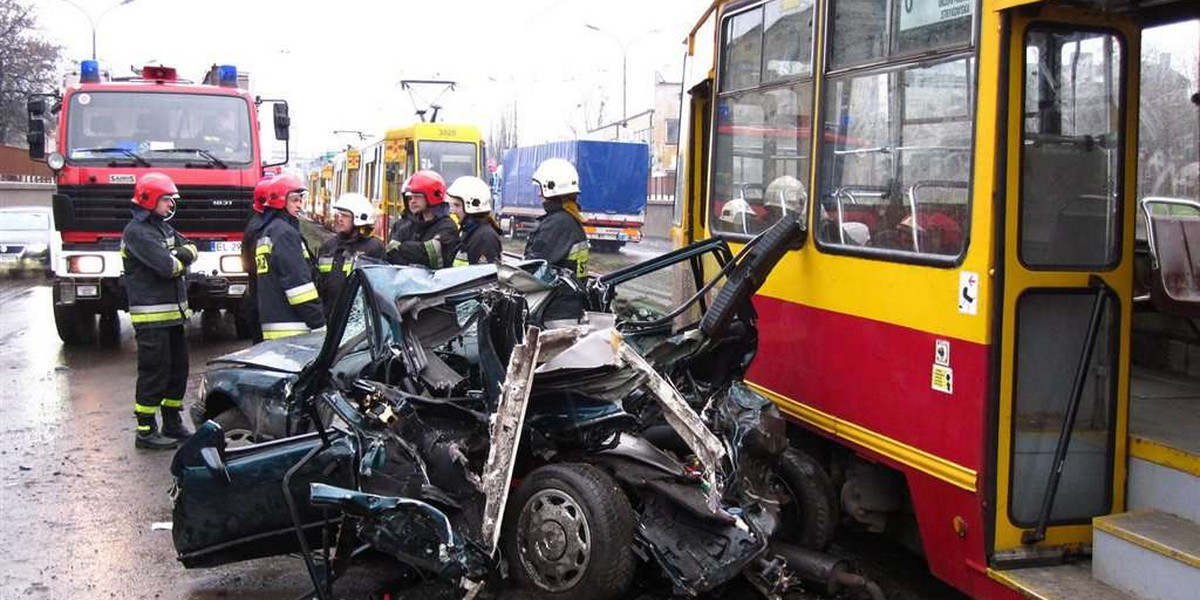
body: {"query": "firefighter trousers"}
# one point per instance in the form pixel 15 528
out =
pixel 162 372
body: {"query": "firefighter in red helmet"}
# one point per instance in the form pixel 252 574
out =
pixel 288 303
pixel 429 236
pixel 156 258
pixel 249 306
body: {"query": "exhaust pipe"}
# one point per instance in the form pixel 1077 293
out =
pixel 831 574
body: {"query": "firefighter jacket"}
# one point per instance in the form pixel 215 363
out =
pixel 479 242
pixel 250 242
pixel 336 257
pixel 155 258
pixel 559 240
pixel 431 244
pixel 288 303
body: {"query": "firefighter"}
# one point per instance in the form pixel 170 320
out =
pixel 457 214
pixel 479 242
pixel 559 238
pixel 249 305
pixel 353 222
pixel 156 258
pixel 431 238
pixel 288 303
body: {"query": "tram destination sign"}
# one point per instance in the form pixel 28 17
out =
pixel 919 13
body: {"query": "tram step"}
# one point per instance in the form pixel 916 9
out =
pixel 1071 581
pixel 1149 553
pixel 1163 477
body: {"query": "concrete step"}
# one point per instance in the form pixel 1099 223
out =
pixel 1150 554
pixel 1163 477
pixel 1072 581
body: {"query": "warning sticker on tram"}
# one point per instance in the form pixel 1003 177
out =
pixel 919 13
pixel 943 379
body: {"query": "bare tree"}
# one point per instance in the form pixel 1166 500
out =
pixel 28 65
pixel 504 133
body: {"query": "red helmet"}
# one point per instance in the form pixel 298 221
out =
pixel 261 191
pixel 282 185
pixel 150 188
pixel 427 183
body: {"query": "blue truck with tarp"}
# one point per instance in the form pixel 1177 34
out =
pixel 612 181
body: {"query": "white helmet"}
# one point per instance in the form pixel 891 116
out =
pixel 358 206
pixel 736 212
pixel 475 194
pixel 557 177
pixel 787 194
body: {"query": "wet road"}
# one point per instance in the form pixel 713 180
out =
pixel 77 500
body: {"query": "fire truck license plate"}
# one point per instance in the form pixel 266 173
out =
pixel 227 246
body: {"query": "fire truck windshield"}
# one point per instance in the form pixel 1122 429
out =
pixel 159 129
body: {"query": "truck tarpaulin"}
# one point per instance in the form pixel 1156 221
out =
pixel 612 175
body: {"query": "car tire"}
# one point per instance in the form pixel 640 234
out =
pixel 210 324
pixel 237 428
pixel 810 507
pixel 569 535
pixel 76 326
pixel 110 327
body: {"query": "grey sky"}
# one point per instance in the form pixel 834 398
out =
pixel 338 63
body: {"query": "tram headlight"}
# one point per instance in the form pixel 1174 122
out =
pixel 232 263
pixel 86 264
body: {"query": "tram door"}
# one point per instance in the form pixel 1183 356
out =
pixel 1067 261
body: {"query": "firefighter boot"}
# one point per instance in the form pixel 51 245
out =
pixel 152 440
pixel 173 426
pixel 148 436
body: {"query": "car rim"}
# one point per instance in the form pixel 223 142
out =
pixel 553 540
pixel 236 438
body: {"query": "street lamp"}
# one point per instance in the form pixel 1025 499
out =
pixel 96 22
pixel 624 45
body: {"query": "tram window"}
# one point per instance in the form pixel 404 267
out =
pixel 895 172
pixel 761 159
pixel 742 58
pixel 859 32
pixel 787 39
pixel 861 35
pixel 1071 164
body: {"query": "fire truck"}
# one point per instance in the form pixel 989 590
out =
pixel 111 131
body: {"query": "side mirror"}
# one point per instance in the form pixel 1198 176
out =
pixel 36 138
pixel 36 106
pixel 282 121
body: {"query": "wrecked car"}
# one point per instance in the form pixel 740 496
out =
pixel 440 425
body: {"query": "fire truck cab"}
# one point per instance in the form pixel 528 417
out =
pixel 112 131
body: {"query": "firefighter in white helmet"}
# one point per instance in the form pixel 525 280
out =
pixel 559 238
pixel 479 239
pixel 353 224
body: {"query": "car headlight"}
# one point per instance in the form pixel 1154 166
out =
pixel 232 263
pixel 55 161
pixel 35 248
pixel 86 264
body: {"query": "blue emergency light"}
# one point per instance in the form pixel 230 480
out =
pixel 89 71
pixel 227 76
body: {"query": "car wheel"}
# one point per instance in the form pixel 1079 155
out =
pixel 808 503
pixel 76 327
pixel 110 327
pixel 569 534
pixel 237 428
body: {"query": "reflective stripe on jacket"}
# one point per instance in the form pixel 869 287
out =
pixel 288 302
pixel 336 258
pixel 154 274
pixel 559 240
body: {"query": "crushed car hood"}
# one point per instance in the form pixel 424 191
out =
pixel 287 355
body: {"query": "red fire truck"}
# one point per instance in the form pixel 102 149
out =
pixel 112 131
